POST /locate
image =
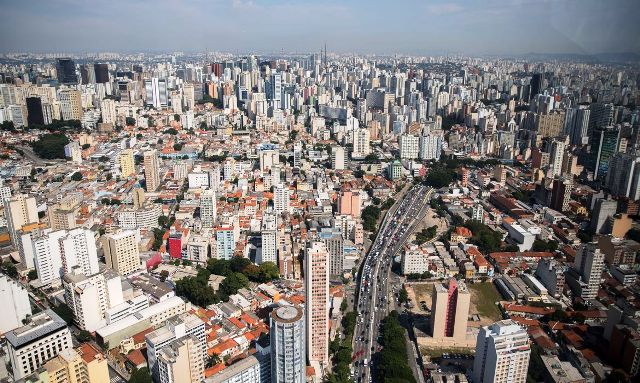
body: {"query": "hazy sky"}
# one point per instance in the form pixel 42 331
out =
pixel 373 26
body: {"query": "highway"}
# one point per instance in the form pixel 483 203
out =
pixel 376 287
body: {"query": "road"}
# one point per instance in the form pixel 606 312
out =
pixel 376 286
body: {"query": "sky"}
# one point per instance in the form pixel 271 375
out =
pixel 420 27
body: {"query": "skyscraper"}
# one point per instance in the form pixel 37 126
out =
pixel 101 73
pixel 316 279
pixel 208 207
pixel 121 252
pixel 537 84
pixel 623 177
pixel 34 111
pixel 156 92
pixel 561 193
pixel 334 242
pixel 70 104
pixel 602 210
pixel 450 309
pixel 151 170
pixel 502 353
pixel 281 196
pixel 584 277
pixel 66 70
pixel 287 332
pixel 604 145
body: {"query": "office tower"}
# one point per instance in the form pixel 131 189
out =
pixel 350 203
pixel 66 70
pixel 269 238
pixel 623 177
pixel 361 146
pixel 502 353
pixel 178 328
pixel 156 92
pixel 536 84
pixel 281 198
pixel 556 157
pixel 409 146
pixel 334 242
pixel 337 158
pixel 101 73
pixel 584 276
pixel 19 210
pixel 431 146
pixel 87 74
pixel 34 111
pixel 225 242
pixel 48 257
pixel 151 170
pixel 181 361
pixel 316 279
pixel 31 345
pixel 208 208
pixel 600 117
pixel 551 124
pixel 78 249
pixel 274 90
pixel 121 252
pixel 127 163
pixel 450 309
pixel 84 364
pixel 90 296
pixel 287 332
pixel 576 125
pixel 15 304
pixel 604 145
pixel 108 111
pixel 603 209
pixel 70 104
pixel 189 96
pixel 561 193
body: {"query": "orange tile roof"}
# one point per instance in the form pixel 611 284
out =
pixel 214 369
pixel 90 353
pixel 136 358
pixel 139 337
pixel 222 347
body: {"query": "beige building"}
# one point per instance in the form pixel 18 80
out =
pixel 181 361
pixel 84 364
pixel 550 125
pixel 317 301
pixel 151 170
pixel 70 104
pixel 127 163
pixel 450 310
pixel 19 210
pixel 62 216
pixel 121 252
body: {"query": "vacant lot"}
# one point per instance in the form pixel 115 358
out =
pixel 483 302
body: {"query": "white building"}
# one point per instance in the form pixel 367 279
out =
pixel 502 353
pixel 269 238
pixel 361 146
pixel 15 304
pixel 431 146
pixel 208 208
pixel 78 248
pixel 409 146
pixel 414 261
pixel 30 346
pixel 337 158
pixel 108 110
pixel 281 198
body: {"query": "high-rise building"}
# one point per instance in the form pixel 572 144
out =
pixel 178 328
pixel 62 216
pixel 208 207
pixel 156 92
pixel 537 84
pixel 82 364
pixel 19 210
pixel 502 353
pixel 269 238
pixel 70 104
pixel 623 177
pixel 121 252
pixel 66 70
pixel 334 242
pixel 556 157
pixel 287 332
pixel 127 163
pixel 450 309
pixel 15 304
pixel 101 73
pixel 409 146
pixel 576 125
pixel 31 345
pixel 561 193
pixel 604 145
pixel 34 111
pixel 602 210
pixel 181 361
pixel 151 170
pixel 584 277
pixel 108 111
pixel 48 257
pixel 431 146
pixel 78 249
pixel 337 158
pixel 225 242
pixel 361 148
pixel 316 277
pixel 281 197
pixel 350 203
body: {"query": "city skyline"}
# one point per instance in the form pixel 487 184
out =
pixel 435 27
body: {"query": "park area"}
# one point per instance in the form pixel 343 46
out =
pixel 483 301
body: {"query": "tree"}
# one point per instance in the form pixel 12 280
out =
pixel 268 271
pixel 50 146
pixel 164 274
pixel 439 177
pixel 163 220
pixel 33 275
pixel 177 147
pixel 130 121
pixel 213 360
pixel 403 296
pixel 84 336
pixel 77 176
pixel 142 375
pixel 9 269
pixel 171 131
